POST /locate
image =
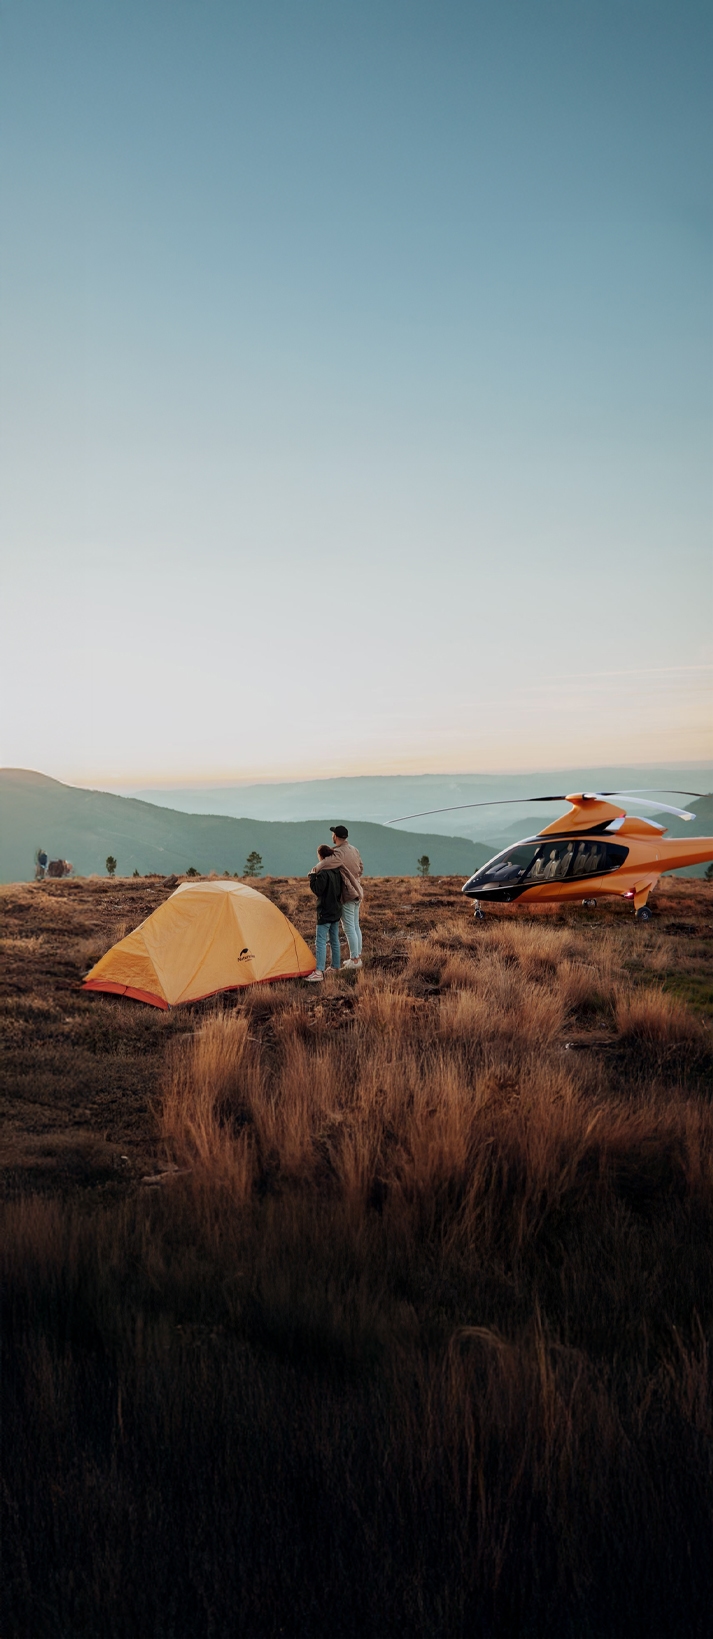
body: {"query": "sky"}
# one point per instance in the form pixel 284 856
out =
pixel 355 386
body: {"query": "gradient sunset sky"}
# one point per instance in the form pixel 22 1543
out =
pixel 356 386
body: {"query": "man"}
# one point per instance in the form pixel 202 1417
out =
pixel 345 859
pixel 352 892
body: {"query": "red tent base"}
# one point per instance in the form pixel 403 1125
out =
pixel 158 1001
pixel 126 990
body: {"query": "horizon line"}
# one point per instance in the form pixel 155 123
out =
pixel 249 782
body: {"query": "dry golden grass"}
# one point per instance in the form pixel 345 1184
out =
pixel 467 1094
pixel 416 1339
pixel 199 1089
pixel 658 1020
pixel 28 946
pixel 90 951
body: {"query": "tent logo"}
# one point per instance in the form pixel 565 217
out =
pixel 246 955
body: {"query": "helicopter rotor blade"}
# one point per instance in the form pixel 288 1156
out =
pixel 644 789
pixel 504 802
pixel 499 802
pixel 645 802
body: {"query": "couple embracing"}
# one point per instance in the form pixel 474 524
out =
pixel 336 883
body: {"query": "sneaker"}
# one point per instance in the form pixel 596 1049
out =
pixel 353 961
pixel 314 978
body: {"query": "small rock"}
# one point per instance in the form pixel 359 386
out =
pixel 166 1177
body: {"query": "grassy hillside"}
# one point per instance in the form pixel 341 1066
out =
pixel 701 826
pixel 86 826
pixel 381 1311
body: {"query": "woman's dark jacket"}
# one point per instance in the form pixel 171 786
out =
pixel 327 885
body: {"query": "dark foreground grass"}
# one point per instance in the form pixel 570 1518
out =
pixel 280 1421
pixel 417 1340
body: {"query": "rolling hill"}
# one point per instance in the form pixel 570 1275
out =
pixel 85 826
pixel 701 826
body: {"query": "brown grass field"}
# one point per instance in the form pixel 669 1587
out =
pixel 383 1308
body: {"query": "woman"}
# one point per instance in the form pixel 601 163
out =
pixel 327 888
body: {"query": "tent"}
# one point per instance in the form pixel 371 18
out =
pixel 208 936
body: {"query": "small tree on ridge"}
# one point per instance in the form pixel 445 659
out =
pixel 110 865
pixel 424 865
pixel 253 864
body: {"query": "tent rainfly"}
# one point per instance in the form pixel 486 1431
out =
pixel 207 937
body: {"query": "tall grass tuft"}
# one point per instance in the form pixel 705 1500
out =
pixel 201 1091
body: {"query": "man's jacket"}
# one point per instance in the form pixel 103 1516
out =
pixel 327 886
pixel 347 860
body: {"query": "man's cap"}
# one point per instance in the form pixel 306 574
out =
pixel 339 831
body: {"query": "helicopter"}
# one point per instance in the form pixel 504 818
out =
pixel 594 851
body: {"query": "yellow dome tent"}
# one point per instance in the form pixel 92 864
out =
pixel 208 936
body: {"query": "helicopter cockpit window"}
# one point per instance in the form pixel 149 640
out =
pixel 509 869
pixel 533 862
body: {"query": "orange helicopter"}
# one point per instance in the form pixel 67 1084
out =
pixel 596 850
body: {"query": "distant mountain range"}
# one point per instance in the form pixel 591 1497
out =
pixel 379 798
pixel 86 826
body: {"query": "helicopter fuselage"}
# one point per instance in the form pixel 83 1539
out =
pixel 593 852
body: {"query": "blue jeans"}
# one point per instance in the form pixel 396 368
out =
pixel 350 924
pixel 324 929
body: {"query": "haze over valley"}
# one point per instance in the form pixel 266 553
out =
pixel 383 798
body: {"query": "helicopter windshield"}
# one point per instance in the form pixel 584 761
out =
pixel 532 862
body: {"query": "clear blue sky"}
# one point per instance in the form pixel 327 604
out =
pixel 356 385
